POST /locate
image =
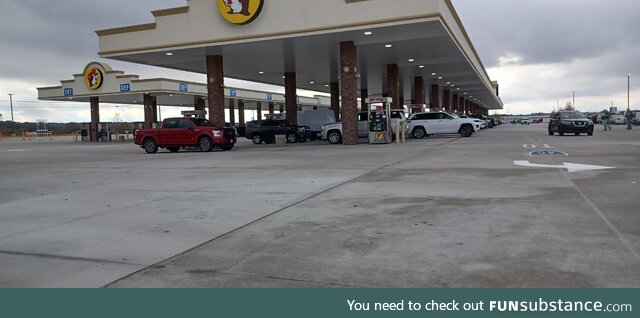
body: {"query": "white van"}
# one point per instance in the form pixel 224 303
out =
pixel 315 119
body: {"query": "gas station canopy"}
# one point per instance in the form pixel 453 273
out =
pixel 116 87
pixel 424 38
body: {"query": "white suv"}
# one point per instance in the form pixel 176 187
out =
pixel 333 132
pixel 421 125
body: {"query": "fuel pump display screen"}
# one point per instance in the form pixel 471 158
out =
pixel 378 120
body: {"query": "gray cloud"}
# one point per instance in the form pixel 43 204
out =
pixel 549 31
pixel 50 38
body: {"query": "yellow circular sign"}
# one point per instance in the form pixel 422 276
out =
pixel 379 136
pixel 93 77
pixel 240 11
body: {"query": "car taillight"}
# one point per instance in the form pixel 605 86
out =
pixel 217 133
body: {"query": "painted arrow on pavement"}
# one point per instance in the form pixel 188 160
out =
pixel 572 167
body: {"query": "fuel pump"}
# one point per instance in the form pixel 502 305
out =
pixel 379 120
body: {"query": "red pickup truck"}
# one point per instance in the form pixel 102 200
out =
pixel 177 133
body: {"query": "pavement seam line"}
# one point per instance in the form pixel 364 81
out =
pixel 603 217
pixel 599 213
pixel 68 258
pixel 273 213
pixel 84 217
pixel 288 279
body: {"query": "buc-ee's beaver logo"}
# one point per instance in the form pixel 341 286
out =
pixel 240 11
pixel 93 77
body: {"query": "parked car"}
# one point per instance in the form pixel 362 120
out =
pixel 488 122
pixel 333 132
pixel 480 122
pixel 265 131
pixel 566 122
pixel 179 133
pixel 316 119
pixel 421 125
pixel 618 119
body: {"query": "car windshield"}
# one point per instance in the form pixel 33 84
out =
pixel 201 122
pixel 398 114
pixel 573 115
pixel 454 115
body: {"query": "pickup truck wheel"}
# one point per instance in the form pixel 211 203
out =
pixel 466 131
pixel 205 144
pixel 419 133
pixel 292 138
pixel 257 139
pixel 150 146
pixel 334 137
pixel 173 149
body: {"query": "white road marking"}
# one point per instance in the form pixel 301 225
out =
pixel 571 167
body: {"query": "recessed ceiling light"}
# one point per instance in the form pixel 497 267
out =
pixel 388 46
pixel 170 95
pixel 452 85
pixel 261 73
pixel 421 66
pixel 326 85
pixel 434 74
pixel 169 54
pixel 458 88
pixel 448 83
pixel 312 82
pixel 465 93
pixel 368 33
pixel 411 60
pixel 439 77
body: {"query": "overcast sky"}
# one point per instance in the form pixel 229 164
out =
pixel 538 50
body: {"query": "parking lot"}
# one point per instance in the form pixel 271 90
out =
pixel 439 212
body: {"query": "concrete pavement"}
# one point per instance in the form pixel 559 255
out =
pixel 440 212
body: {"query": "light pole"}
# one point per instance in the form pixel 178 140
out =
pixel 13 125
pixel 628 88
pixel 574 99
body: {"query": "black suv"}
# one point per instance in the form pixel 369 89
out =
pixel 570 122
pixel 265 131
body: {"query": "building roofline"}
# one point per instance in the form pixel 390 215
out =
pixel 127 29
pixel 170 11
pixel 256 38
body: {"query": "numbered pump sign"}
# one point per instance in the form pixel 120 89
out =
pixel 379 120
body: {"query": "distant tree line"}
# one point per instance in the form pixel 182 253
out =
pixel 56 128
pixel 65 128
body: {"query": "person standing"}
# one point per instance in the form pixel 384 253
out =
pixel 605 119
pixel 629 116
